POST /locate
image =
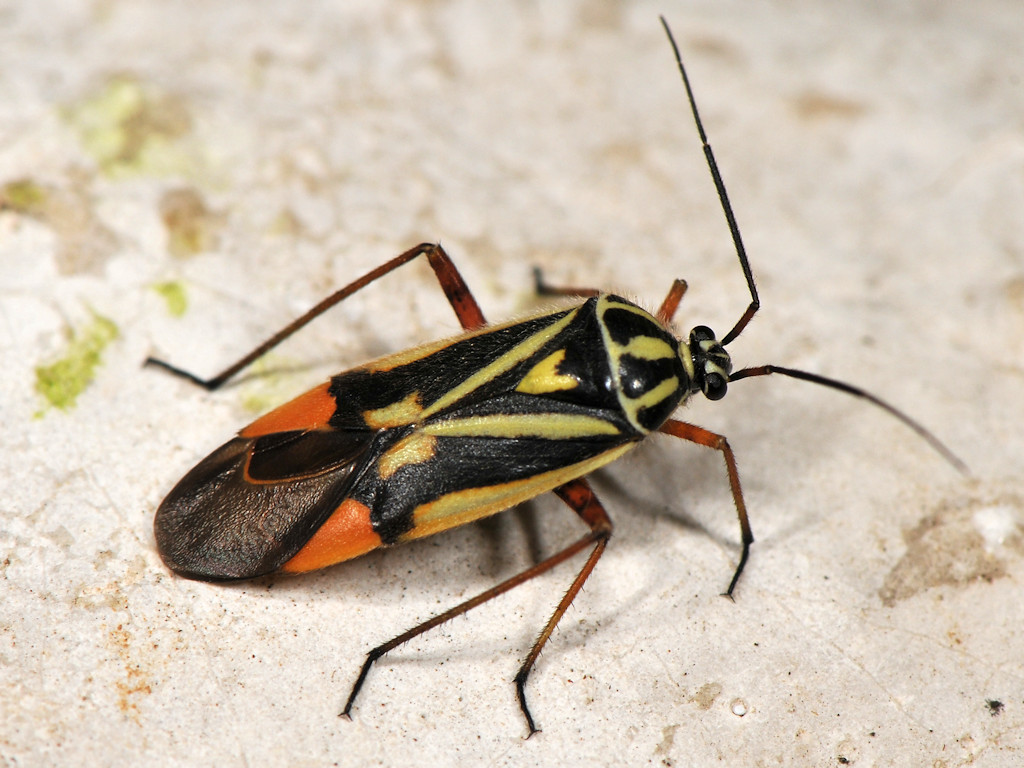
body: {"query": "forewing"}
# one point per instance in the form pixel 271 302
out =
pixel 253 503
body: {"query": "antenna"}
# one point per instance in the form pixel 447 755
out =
pixel 755 302
pixel 723 196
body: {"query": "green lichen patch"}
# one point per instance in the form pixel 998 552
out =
pixel 24 196
pixel 129 128
pixel 173 293
pixel 61 382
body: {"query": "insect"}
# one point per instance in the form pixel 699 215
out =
pixel 452 431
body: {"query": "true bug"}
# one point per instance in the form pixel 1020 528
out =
pixel 449 432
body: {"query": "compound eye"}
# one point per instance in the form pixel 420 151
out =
pixel 701 333
pixel 715 386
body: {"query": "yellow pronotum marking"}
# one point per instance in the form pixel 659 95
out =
pixel 642 347
pixel 647 348
pixel 398 414
pixel 608 303
pixel 460 507
pixel 656 395
pixel 551 426
pixel 514 356
pixel 417 448
pixel 544 377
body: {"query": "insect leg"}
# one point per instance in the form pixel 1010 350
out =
pixel 668 307
pixel 454 287
pixel 701 436
pixel 543 289
pixel 665 313
pixel 578 495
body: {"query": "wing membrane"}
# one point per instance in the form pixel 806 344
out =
pixel 253 503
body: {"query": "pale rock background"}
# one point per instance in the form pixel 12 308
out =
pixel 195 175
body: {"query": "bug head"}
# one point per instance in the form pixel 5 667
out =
pixel 710 365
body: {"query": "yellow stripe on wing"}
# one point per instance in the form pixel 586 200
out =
pixel 506 362
pixel 461 507
pixel 551 426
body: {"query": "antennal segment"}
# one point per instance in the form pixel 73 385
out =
pixel 723 196
pixel 842 386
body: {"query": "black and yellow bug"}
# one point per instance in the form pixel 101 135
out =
pixel 437 436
